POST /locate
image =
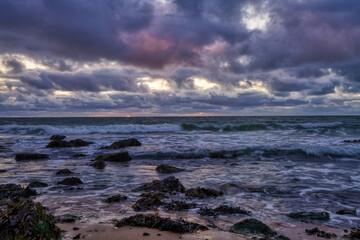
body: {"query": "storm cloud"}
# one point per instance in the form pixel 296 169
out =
pixel 147 57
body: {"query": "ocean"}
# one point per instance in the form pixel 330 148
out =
pixel 268 165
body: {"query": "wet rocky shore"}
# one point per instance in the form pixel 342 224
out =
pixel 23 217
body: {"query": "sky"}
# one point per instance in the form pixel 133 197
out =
pixel 179 57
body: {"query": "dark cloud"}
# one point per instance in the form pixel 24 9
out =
pixel 14 65
pixel 308 49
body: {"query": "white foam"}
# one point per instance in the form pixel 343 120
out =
pixel 116 128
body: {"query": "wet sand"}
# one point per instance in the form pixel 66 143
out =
pixel 90 231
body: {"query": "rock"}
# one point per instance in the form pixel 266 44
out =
pixel 57 137
pixel 131 142
pixel 99 164
pixel 164 224
pixel 352 141
pixel 115 198
pixel 178 206
pixel 77 236
pixel 115 157
pixel 253 226
pixel 3 171
pixel 71 181
pixel 355 234
pixel 167 169
pixel 319 233
pixel 4 149
pixel 146 234
pixel 223 210
pixel 30 156
pixel 169 184
pixel 79 143
pixel 27 220
pixel 347 211
pixel 65 144
pixel 67 218
pixel 37 184
pixel 13 192
pixel 310 216
pixel 202 193
pixel 148 203
pixel 154 194
pixel 64 172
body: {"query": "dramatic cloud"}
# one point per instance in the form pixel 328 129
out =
pixel 150 57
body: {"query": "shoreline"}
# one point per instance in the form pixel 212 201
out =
pixel 98 231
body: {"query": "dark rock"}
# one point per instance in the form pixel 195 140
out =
pixel 223 210
pixel 67 218
pixel 154 194
pixel 167 169
pixel 355 234
pixel 27 220
pixel 131 142
pixel 58 144
pixel 3 171
pixel 4 149
pixel 99 164
pixel 13 192
pixel 76 228
pixel 320 233
pixel 164 224
pixel 310 216
pixel 146 234
pixel 30 156
pixel 71 181
pixel 202 193
pixel 57 137
pixel 115 198
pixel 147 203
pixel 169 184
pixel 347 211
pixel 178 206
pixel 65 144
pixel 352 141
pixel 37 184
pixel 115 157
pixel 79 143
pixel 77 236
pixel 64 172
pixel 253 226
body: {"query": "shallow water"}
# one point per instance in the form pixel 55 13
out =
pixel 269 165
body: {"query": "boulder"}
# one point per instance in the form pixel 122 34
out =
pixel 147 203
pixel 163 224
pixel 169 184
pixel 167 169
pixel 202 193
pixel 57 137
pixel 347 211
pixel 64 172
pixel 71 181
pixel 223 210
pixel 253 226
pixel 178 205
pixel 65 144
pixel 99 164
pixel 352 141
pixel 37 184
pixel 27 220
pixel 131 142
pixel 13 192
pixel 310 216
pixel 115 198
pixel 30 156
pixel 115 157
